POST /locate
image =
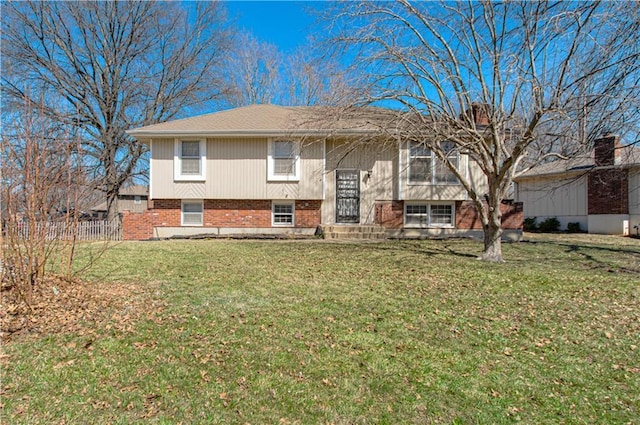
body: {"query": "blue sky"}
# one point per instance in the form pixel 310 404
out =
pixel 287 24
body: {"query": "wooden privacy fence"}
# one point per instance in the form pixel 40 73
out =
pixel 102 230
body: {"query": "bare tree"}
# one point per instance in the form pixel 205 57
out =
pixel 105 67
pixel 253 68
pixel 258 73
pixel 309 78
pixel 510 84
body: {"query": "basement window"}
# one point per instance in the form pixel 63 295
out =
pixel 192 213
pixel 423 215
pixel 283 214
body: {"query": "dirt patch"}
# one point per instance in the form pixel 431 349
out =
pixel 59 306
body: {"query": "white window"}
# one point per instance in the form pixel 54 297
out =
pixel 428 215
pixel 137 200
pixel 416 215
pixel 442 173
pixel 426 168
pixel 441 215
pixel 283 214
pixel 192 213
pixel 283 160
pixel 190 160
pixel 419 163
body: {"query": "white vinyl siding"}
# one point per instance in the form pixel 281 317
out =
pixel 283 160
pixel 426 168
pixel 192 213
pixel 429 215
pixel 190 160
pixel 236 168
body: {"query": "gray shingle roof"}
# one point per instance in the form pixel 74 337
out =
pixel 258 120
pixel 628 156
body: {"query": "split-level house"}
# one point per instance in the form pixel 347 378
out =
pixel 267 169
pixel 600 191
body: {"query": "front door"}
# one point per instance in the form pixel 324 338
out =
pixel 347 196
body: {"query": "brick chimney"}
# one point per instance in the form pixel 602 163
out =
pixel 479 112
pixel 607 150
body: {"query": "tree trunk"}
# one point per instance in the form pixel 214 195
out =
pixel 492 238
pixel 112 206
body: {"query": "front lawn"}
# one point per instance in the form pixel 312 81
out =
pixel 312 332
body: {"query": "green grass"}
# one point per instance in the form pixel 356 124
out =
pixel 316 332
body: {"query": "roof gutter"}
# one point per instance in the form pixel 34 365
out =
pixel 239 133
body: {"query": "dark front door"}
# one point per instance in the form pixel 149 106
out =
pixel 347 196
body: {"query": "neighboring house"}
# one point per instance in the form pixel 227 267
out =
pixel 131 198
pixel 601 192
pixel 267 169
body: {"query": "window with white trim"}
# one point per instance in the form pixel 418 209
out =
pixel 424 167
pixel 192 213
pixel 429 215
pixel 441 215
pixel 137 200
pixel 416 215
pixel 190 160
pixel 283 160
pixel 283 214
pixel 419 163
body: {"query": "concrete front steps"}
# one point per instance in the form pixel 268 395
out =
pixel 344 231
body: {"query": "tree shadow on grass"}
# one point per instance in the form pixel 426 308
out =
pixel 587 251
pixel 438 247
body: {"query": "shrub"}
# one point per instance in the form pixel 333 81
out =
pixel 550 225
pixel 574 227
pixel 530 224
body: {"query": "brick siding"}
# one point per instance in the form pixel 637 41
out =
pixel 608 192
pixel 236 213
pixel 606 150
pixel 227 213
pixel 512 215
pixel 390 214
pixel 467 216
pixel 137 226
pixel 308 214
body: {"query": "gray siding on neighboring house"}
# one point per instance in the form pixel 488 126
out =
pixel 131 205
pixel 564 199
pixel 236 169
pixel 557 197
